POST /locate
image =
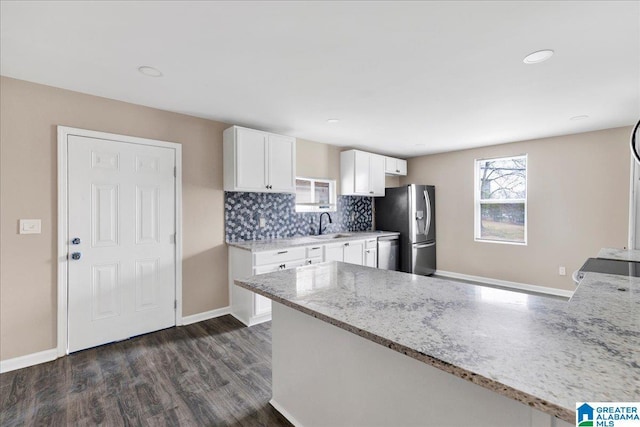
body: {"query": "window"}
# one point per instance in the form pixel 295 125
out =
pixel 315 195
pixel 501 200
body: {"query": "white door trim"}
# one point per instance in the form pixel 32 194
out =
pixel 63 215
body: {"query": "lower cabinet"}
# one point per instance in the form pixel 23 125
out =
pixel 249 307
pixel 371 253
pixel 351 252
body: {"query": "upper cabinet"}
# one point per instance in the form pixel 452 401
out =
pixel 393 166
pixel 362 173
pixel 258 161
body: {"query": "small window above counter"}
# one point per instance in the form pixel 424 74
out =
pixel 315 195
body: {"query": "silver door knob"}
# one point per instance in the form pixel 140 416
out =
pixel 75 241
pixel 76 255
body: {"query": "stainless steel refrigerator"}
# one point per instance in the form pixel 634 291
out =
pixel 411 210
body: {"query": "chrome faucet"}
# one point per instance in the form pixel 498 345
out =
pixel 320 229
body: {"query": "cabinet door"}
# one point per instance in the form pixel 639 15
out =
pixel 361 172
pixel 376 175
pixel 251 160
pixel 282 160
pixel 402 166
pixel 334 252
pixel 261 305
pixel 354 252
pixel 390 165
pixel 371 258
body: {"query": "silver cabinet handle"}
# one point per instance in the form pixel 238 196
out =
pixel 76 256
pixel 75 241
pixel 282 252
pixel 346 244
pixel 282 266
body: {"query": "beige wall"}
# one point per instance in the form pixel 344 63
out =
pixel 29 114
pixel 578 192
pixel 317 160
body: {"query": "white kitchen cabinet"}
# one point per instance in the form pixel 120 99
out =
pixel 334 252
pixel 371 253
pixel 393 166
pixel 249 307
pixel 258 161
pixel 362 173
pixel 351 252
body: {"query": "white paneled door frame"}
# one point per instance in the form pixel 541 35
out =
pixel 63 216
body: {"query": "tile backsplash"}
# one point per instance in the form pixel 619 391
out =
pixel 242 213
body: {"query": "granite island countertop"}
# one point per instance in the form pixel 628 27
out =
pixel 290 242
pixel 544 352
pixel 619 254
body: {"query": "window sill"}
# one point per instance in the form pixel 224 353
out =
pixel 501 242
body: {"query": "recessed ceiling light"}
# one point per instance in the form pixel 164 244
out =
pixel 150 71
pixel 333 120
pixel 576 118
pixel 538 56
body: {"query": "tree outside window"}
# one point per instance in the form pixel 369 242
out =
pixel 501 200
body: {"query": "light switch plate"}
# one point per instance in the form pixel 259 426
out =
pixel 30 226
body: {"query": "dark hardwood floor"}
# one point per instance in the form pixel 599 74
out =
pixel 212 373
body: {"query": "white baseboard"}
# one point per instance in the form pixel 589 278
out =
pixel 195 318
pixel 284 413
pixel 506 284
pixel 28 360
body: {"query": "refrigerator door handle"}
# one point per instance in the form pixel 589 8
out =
pixel 423 245
pixel 427 202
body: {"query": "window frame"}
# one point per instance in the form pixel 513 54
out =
pixel 477 211
pixel 313 206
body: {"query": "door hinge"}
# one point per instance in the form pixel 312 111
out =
pixel 175 171
pixel 175 304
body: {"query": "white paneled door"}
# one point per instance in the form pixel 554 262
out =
pixel 121 235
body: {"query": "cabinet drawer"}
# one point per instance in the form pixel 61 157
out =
pixel 273 257
pixel 314 251
pixel 277 267
pixel 371 244
pixel 310 261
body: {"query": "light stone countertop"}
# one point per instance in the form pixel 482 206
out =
pixel 544 352
pixel 619 254
pixel 276 244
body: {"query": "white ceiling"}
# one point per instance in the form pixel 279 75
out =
pixel 404 78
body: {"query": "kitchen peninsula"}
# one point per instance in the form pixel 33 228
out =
pixel 354 345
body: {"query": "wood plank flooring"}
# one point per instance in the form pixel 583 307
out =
pixel 212 373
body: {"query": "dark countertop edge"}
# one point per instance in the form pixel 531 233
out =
pixel 242 244
pixel 568 415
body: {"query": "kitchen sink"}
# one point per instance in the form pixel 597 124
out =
pixel 332 236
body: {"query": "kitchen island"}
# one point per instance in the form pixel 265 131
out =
pixel 359 346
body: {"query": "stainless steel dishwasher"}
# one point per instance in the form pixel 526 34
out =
pixel 389 252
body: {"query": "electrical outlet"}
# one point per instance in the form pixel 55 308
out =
pixel 562 271
pixel 263 222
